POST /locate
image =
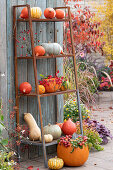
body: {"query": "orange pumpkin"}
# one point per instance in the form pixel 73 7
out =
pixel 41 89
pixel 24 13
pixel 49 13
pixel 69 127
pixel 60 125
pixel 59 14
pixel 51 85
pixel 77 158
pixel 39 51
pixel 25 88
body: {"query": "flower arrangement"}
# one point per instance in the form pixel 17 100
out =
pixel 52 83
pixel 78 142
pixel 71 111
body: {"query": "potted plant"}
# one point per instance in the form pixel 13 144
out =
pixel 73 152
pixel 51 83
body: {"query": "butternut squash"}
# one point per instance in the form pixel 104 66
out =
pixel 34 130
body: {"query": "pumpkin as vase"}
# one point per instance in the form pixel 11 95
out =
pixel 51 85
pixel 76 158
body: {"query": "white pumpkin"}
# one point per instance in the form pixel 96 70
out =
pixel 48 138
pixel 52 48
pixel 36 12
pixel 54 130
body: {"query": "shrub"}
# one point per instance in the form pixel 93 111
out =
pixel 71 111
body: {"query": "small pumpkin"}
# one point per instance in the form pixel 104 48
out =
pixel 76 158
pixel 54 130
pixel 64 86
pixel 25 88
pixel 36 12
pixel 41 89
pixel 55 163
pixel 48 138
pixel 39 51
pixel 24 13
pixel 59 14
pixel 69 127
pixel 34 130
pixel 49 13
pixel 60 125
pixel 52 48
pixel 51 85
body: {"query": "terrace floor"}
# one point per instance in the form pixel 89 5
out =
pixel 103 160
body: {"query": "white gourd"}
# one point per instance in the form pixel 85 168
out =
pixel 34 130
pixel 36 12
pixel 52 48
pixel 48 138
pixel 54 130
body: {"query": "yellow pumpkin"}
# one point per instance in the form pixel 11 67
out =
pixel 55 163
pixel 36 12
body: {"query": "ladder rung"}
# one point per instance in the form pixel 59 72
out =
pixel 43 57
pixel 48 94
pixel 38 143
pixel 43 20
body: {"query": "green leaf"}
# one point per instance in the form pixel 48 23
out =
pixel 1 127
pixel 72 150
pixel 2 118
pixel 41 75
pixel 4 142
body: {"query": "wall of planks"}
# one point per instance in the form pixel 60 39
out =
pixel 45 33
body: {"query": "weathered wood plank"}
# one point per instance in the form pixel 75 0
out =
pixel 45 33
pixel 3 59
pixel 59 30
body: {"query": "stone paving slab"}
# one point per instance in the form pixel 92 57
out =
pixel 102 160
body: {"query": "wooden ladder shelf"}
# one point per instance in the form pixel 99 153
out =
pixel 34 58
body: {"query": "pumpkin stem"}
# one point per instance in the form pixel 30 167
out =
pixel 24 90
pixel 37 54
pixel 50 10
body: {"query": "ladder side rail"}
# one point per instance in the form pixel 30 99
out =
pixel 75 70
pixel 36 83
pixel 15 64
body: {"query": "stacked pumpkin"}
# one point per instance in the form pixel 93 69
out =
pixel 50 131
pixel 25 88
pixel 48 49
pixel 50 13
pixel 36 12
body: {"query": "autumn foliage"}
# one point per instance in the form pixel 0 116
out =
pixel 105 15
pixel 86 31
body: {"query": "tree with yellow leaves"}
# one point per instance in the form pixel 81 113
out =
pixel 105 15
